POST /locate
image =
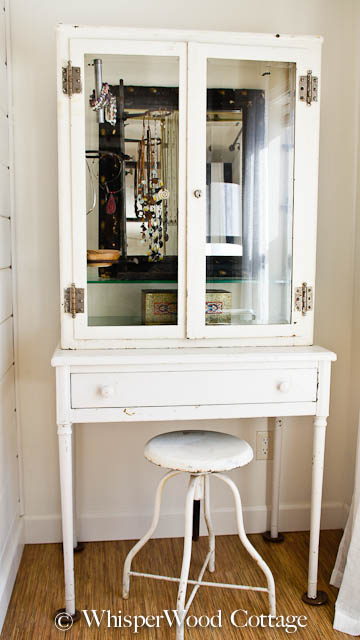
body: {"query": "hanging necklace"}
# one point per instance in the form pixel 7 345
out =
pixel 104 183
pixel 91 177
pixel 151 194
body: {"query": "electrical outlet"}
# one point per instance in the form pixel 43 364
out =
pixel 264 445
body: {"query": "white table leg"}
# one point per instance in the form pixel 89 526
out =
pixel 273 535
pixel 78 546
pixel 313 596
pixel 65 459
pixel 73 444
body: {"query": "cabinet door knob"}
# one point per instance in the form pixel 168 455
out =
pixel 284 387
pixel 197 193
pixel 106 390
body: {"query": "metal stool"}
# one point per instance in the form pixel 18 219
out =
pixel 199 453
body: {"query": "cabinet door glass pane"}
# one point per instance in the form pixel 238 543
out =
pixel 132 189
pixel 249 192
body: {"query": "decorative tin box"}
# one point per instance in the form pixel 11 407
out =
pixel 218 306
pixel 159 306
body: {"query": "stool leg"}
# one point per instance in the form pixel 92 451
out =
pixel 209 523
pixel 180 605
pixel 247 544
pixel 136 548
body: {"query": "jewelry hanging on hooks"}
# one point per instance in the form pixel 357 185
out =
pixel 105 101
pixel 151 194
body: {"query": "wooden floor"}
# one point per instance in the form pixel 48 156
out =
pixel 38 590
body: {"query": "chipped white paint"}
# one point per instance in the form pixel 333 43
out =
pixel 276 469
pixel 316 493
pixel 65 459
pixel 87 389
pixel 198 451
pixel 132 553
pixel 192 49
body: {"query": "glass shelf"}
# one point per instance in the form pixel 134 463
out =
pixel 114 321
pixel 129 321
pixel 152 282
pixel 130 281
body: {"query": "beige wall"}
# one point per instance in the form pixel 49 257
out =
pixel 354 404
pixel 109 454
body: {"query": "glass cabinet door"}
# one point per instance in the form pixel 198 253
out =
pixel 128 187
pixel 188 187
pixel 241 192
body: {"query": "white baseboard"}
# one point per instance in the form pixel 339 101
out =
pixel 130 526
pixel 9 564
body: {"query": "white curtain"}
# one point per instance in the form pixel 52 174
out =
pixel 346 573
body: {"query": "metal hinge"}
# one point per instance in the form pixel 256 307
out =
pixel 304 298
pixel 71 79
pixel 308 88
pixel 73 300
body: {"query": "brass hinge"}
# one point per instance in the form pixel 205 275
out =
pixel 308 88
pixel 304 298
pixel 71 79
pixel 73 300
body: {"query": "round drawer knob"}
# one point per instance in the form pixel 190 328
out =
pixel 284 387
pixel 106 390
pixel 197 193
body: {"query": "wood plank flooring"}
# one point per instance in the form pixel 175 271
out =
pixel 38 590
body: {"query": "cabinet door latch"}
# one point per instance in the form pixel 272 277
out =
pixel 71 79
pixel 304 298
pixel 308 88
pixel 73 300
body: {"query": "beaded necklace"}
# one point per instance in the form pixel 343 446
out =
pixel 151 193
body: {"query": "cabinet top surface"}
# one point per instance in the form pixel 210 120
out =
pixel 64 357
pixel 81 31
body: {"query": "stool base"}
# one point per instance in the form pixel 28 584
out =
pixel 182 606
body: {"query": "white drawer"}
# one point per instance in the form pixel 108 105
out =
pixel 175 388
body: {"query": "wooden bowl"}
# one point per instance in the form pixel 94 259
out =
pixel 102 255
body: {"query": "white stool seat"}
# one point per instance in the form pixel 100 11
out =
pixel 198 451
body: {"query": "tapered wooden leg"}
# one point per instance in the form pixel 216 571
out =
pixel 65 460
pixel 273 535
pixel 313 596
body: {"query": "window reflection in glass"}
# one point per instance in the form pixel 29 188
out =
pixel 249 169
